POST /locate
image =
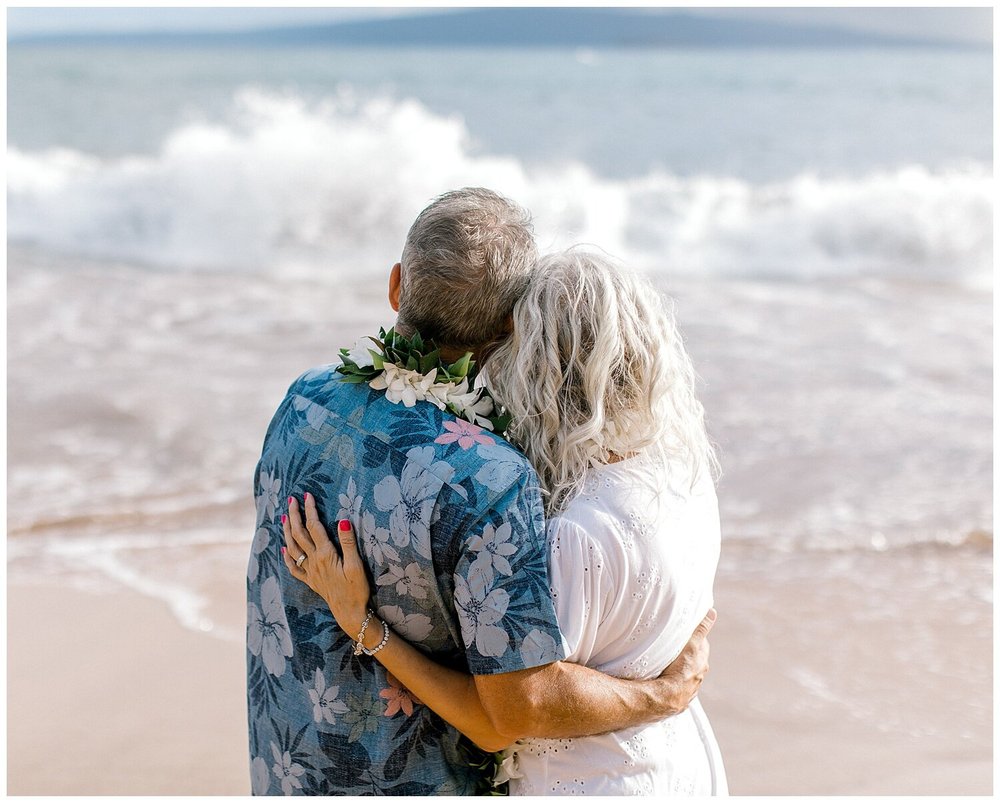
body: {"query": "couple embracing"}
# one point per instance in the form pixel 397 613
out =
pixel 486 539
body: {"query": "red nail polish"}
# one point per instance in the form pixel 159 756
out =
pixel 283 550
pixel 343 525
pixel 291 499
pixel 308 494
pixel 284 518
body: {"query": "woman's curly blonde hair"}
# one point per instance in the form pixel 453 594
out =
pixel 594 371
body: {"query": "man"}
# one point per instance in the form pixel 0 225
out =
pixel 433 499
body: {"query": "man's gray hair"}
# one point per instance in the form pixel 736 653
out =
pixel 468 257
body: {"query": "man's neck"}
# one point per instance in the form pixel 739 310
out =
pixel 448 353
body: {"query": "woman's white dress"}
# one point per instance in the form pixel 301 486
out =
pixel 632 562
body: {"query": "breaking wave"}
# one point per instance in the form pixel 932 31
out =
pixel 284 182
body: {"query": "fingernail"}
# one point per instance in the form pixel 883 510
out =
pixel 343 525
pixel 284 518
pixel 283 550
pixel 308 495
pixel 291 499
pixel 712 615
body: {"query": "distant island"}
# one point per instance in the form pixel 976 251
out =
pixel 529 27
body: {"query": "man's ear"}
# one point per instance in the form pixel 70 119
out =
pixel 395 279
pixel 508 326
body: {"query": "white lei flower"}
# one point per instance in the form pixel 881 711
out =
pixel 360 354
pixel 409 387
pixel 472 405
pixel 403 385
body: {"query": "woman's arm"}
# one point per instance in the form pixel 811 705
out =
pixel 342 583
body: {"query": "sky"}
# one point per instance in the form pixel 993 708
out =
pixel 961 24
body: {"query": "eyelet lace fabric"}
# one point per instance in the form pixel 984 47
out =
pixel 632 563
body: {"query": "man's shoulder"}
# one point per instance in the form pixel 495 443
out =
pixel 452 448
pixel 473 454
pixel 321 384
pixel 321 391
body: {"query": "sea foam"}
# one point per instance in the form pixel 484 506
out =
pixel 284 182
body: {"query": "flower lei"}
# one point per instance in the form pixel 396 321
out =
pixel 410 369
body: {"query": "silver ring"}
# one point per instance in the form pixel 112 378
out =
pixel 300 560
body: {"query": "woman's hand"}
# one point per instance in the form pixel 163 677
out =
pixel 341 581
pixel 343 584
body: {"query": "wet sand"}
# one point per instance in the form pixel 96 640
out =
pixel 109 694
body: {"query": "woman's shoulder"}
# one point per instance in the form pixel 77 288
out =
pixel 633 505
pixel 588 530
pixel 612 491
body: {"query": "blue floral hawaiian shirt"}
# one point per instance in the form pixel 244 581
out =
pixel 450 522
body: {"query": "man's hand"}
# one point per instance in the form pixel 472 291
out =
pixel 688 670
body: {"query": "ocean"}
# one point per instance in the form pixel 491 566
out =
pixel 191 228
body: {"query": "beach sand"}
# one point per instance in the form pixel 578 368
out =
pixel 108 695
pixel 125 700
pixel 821 688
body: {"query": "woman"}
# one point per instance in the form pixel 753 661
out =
pixel 601 394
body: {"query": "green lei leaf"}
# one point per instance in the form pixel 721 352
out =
pixel 416 354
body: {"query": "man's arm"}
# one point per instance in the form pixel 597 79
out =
pixel 562 700
pixel 557 699
pixel 526 691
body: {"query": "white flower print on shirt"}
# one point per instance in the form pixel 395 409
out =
pixel 502 468
pixel 285 770
pixel 350 504
pixel 414 627
pixel 494 548
pixel 324 700
pixel 409 500
pixel 260 778
pixel 409 581
pixel 539 648
pixel 375 540
pixel 315 415
pixel 260 541
pixel 479 612
pixel 267 502
pixel 267 628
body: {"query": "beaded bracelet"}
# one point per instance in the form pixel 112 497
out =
pixel 360 646
pixel 381 644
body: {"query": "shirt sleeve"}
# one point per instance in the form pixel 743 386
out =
pixel 502 594
pixel 582 587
